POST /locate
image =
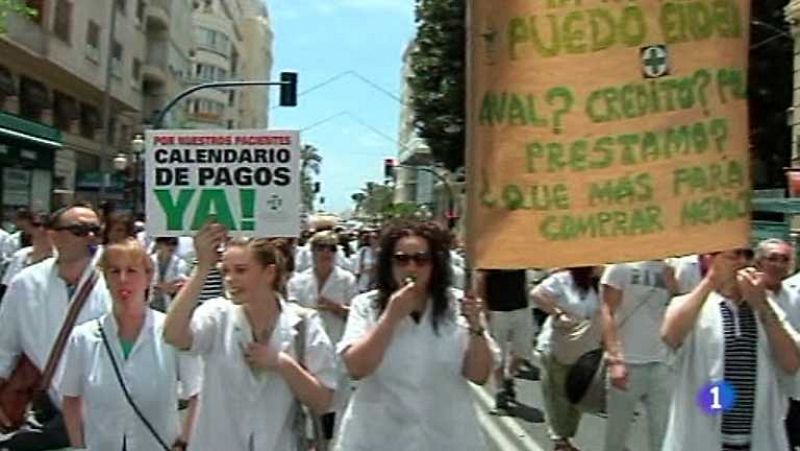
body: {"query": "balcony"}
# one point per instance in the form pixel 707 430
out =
pixel 26 33
pixel 154 68
pixel 157 13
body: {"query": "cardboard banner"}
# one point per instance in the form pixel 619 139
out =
pixel 605 131
pixel 248 180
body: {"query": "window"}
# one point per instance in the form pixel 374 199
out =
pixel 65 110
pixel 93 41
pixel 89 121
pixel 213 40
pixel 121 6
pixel 137 69
pixel 116 59
pixel 230 124
pixel 208 72
pixel 140 6
pixel 62 27
pixel 231 97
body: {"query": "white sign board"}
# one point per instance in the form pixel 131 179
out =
pixel 248 180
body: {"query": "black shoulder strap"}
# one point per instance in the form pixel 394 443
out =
pixel 125 389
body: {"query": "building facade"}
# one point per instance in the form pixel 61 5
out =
pixel 411 185
pixel 76 66
pixel 234 42
pixel 57 66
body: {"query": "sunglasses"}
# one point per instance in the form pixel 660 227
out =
pixel 81 229
pixel 420 258
pixel 324 247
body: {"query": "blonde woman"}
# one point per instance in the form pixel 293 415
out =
pixel 252 374
pixel 126 347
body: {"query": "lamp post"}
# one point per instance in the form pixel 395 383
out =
pixel 137 147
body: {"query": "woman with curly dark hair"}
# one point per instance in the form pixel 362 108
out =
pixel 414 343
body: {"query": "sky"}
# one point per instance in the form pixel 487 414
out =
pixel 353 124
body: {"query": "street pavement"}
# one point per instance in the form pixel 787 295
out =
pixel 524 427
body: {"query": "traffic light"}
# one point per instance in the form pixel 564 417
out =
pixel 288 89
pixel 388 168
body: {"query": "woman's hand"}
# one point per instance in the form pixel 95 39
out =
pixel 403 301
pixel 207 241
pixel 260 356
pixel 563 320
pixel 471 309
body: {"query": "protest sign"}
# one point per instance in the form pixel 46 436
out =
pixel 247 180
pixel 606 130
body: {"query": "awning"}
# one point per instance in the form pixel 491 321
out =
pixel 21 129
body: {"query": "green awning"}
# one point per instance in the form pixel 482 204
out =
pixel 15 127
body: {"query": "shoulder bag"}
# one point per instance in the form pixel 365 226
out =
pixel 26 382
pixel 303 414
pixel 585 385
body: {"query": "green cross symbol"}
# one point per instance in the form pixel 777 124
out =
pixel 653 61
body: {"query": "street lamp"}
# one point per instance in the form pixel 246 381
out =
pixel 137 147
pixel 120 162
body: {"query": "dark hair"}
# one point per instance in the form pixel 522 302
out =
pixel 584 278
pixel 119 218
pixel 169 240
pixel 267 252
pixel 55 217
pixel 440 280
pixel 23 214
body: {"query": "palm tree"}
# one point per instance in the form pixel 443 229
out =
pixel 310 165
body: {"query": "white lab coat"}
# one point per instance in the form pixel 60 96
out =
pixel 151 374
pixel 176 269
pixel 788 299
pixel 339 288
pixel 362 263
pixel 417 399
pixel 16 263
pixel 33 310
pixel 240 408
pixel 699 361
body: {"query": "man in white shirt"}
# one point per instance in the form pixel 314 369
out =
pixel 35 307
pixel 774 257
pixel 635 297
pixel 329 289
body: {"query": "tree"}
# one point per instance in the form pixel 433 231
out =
pixel 374 200
pixel 770 92
pixel 310 165
pixel 13 7
pixel 438 64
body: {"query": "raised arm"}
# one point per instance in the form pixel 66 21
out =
pixel 364 356
pixel 177 331
pixel 682 313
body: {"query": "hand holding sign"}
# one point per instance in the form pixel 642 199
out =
pixel 207 242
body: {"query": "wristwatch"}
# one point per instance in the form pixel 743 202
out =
pixel 477 331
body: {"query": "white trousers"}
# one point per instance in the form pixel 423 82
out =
pixel 651 384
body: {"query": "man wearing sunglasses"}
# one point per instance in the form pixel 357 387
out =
pixel 329 289
pixel 774 258
pixel 34 308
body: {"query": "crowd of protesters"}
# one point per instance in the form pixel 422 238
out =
pixel 367 339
